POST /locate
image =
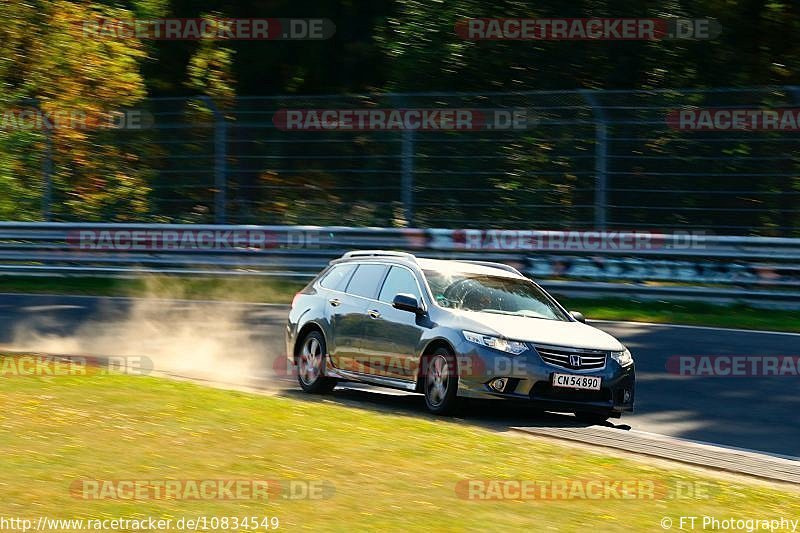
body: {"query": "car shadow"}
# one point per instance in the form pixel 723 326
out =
pixel 495 415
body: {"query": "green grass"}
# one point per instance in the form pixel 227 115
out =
pixel 271 290
pixel 267 290
pixel 692 313
pixel 391 471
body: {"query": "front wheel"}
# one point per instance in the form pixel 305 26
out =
pixel 311 365
pixel 441 383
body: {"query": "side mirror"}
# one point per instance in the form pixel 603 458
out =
pixel 407 302
pixel 578 316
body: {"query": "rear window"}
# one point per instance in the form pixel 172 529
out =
pixel 366 280
pixel 336 279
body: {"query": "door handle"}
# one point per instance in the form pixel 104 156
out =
pixel 374 313
pixel 335 302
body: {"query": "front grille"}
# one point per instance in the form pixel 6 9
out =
pixel 566 358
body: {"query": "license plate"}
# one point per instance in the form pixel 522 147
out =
pixel 572 381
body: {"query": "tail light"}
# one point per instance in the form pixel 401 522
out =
pixel 296 297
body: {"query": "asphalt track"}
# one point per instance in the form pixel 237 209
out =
pixel 756 413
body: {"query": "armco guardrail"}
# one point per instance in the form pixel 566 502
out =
pixel 688 265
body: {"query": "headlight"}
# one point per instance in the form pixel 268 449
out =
pixel 512 347
pixel 624 358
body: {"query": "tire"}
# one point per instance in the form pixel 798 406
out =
pixel 311 365
pixel 440 382
pixel 597 419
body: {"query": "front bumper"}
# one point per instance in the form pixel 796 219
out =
pixel 530 379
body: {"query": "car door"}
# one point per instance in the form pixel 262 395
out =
pixel 349 313
pixel 338 309
pixel 391 336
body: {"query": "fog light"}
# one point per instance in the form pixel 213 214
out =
pixel 626 396
pixel 499 384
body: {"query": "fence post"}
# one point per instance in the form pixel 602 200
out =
pixel 47 173
pixel 398 101
pixel 408 176
pixel 47 160
pixel 220 162
pixel 600 161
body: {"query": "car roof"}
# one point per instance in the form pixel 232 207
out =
pixel 451 265
pixel 439 265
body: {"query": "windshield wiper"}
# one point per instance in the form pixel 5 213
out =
pixel 499 312
pixel 526 314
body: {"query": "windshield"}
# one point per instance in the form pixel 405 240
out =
pixel 492 294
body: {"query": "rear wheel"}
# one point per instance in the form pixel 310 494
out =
pixel 441 382
pixel 311 365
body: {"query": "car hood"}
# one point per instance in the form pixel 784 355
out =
pixel 539 331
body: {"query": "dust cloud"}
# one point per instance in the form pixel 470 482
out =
pixel 218 341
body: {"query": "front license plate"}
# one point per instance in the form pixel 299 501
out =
pixel 571 381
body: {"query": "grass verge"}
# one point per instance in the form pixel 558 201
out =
pixel 266 290
pixel 271 290
pixel 390 471
pixel 690 313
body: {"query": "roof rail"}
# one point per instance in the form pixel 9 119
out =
pixel 379 253
pixel 501 266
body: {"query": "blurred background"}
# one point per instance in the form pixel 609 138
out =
pixel 179 137
pixel 599 154
pixel 107 137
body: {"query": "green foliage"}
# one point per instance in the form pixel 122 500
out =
pixel 49 57
pixel 380 46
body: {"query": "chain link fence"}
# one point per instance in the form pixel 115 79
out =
pixel 579 160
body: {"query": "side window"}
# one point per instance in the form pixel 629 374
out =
pixel 366 280
pixel 399 280
pixel 337 278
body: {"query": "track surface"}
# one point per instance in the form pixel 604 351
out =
pixel 756 413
